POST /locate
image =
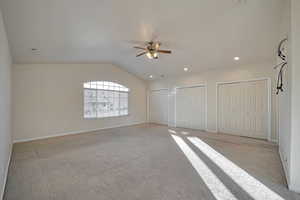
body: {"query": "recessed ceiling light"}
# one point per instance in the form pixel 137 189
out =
pixel 185 69
pixel 236 58
pixel 151 76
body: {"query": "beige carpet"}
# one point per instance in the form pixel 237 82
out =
pixel 137 163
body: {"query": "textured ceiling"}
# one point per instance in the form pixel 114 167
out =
pixel 202 34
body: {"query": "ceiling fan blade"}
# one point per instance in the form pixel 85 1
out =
pixel 141 54
pixel 164 51
pixel 140 48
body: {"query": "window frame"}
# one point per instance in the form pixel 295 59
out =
pixel 109 90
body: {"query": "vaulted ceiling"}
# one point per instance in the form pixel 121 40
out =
pixel 202 34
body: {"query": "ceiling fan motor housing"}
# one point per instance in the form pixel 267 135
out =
pixel 152 50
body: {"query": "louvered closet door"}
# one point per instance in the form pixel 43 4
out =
pixel 158 106
pixel 243 109
pixel 191 107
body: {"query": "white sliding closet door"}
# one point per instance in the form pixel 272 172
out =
pixel 158 106
pixel 243 108
pixel 191 107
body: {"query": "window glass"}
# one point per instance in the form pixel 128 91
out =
pixel 105 99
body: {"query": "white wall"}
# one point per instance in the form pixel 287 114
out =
pixel 212 77
pixel 48 98
pixel 289 109
pixel 295 96
pixel 5 119
pixel 284 100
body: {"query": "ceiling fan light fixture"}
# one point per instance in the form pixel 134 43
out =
pixel 149 55
pixel 157 45
pixel 152 50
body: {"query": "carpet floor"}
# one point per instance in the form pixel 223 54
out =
pixel 146 162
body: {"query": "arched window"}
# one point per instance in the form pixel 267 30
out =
pixel 105 99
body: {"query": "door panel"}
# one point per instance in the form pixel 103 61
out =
pixel 191 107
pixel 172 114
pixel 243 108
pixel 158 107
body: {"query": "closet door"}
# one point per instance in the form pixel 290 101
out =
pixel 243 108
pixel 158 106
pixel 191 107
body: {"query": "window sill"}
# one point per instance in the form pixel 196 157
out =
pixel 95 118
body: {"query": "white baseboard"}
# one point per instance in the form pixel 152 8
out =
pixel 6 175
pixel 294 189
pixel 284 167
pixel 74 132
pixel 211 131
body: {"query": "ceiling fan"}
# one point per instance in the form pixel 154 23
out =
pixel 152 50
